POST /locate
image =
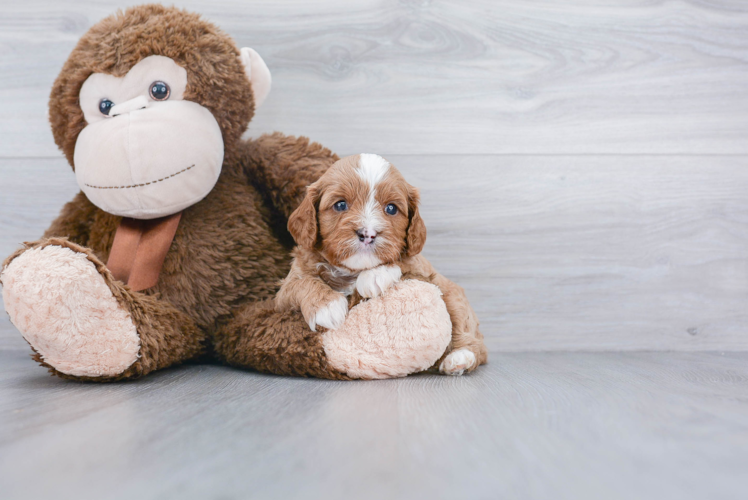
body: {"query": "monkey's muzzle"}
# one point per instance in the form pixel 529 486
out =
pixel 152 161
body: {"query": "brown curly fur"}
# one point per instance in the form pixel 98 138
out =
pixel 231 249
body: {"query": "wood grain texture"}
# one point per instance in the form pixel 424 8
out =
pixel 569 252
pixel 526 426
pixel 468 77
pixel 585 252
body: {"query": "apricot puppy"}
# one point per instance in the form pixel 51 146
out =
pixel 358 231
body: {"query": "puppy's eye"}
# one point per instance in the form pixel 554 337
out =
pixel 159 91
pixel 105 105
pixel 340 206
pixel 390 209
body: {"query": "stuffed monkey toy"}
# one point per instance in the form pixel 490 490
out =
pixel 176 244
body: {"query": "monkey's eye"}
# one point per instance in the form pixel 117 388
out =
pixel 390 209
pixel 340 206
pixel 159 91
pixel 105 105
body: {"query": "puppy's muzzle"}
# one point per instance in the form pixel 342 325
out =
pixel 366 236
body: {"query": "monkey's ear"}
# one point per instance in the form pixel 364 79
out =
pixel 303 221
pixel 416 237
pixel 258 73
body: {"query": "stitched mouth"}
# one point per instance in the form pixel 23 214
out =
pixel 144 183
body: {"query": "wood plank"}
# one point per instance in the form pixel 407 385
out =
pixel 570 253
pixel 529 425
pixel 32 193
pixel 482 76
pixel 621 253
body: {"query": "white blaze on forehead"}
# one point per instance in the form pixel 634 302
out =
pixel 371 217
pixel 372 169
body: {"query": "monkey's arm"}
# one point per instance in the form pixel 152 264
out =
pixel 282 166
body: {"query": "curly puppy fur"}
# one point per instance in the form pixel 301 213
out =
pixel 379 230
pixel 231 249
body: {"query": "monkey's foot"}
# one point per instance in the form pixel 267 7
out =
pixel 405 330
pixel 63 307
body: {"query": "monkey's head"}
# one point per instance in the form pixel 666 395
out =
pixel 148 103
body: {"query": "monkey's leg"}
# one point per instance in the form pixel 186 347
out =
pixel 266 340
pixel 83 324
pixel 401 332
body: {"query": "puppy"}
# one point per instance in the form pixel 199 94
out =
pixel 358 231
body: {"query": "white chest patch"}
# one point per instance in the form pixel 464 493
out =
pixel 362 260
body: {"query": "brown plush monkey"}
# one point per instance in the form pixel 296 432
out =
pixel 177 241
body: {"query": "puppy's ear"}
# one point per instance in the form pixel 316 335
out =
pixel 416 235
pixel 303 221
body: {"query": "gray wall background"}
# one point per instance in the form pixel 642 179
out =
pixel 583 166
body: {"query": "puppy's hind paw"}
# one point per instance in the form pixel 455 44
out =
pixel 457 362
pixel 331 316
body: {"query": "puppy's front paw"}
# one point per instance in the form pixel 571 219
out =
pixel 331 315
pixel 372 282
pixel 457 362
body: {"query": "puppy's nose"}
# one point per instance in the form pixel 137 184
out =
pixel 366 236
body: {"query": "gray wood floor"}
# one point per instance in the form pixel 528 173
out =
pixel 528 425
pixel 584 174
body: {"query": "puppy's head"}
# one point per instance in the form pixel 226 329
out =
pixel 360 214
